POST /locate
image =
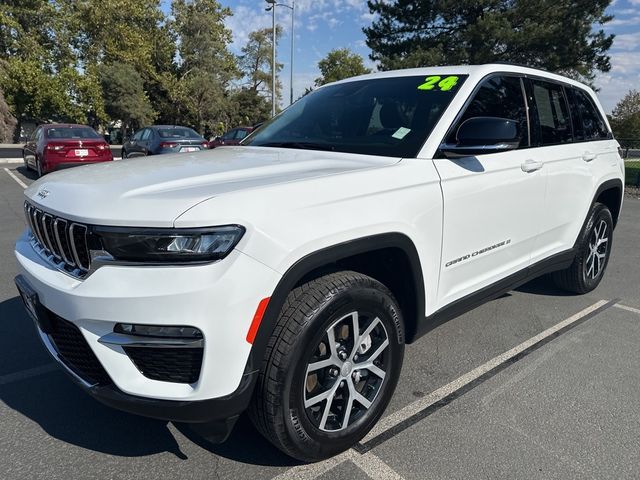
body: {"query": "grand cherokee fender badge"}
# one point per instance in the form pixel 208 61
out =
pixel 43 192
pixel 478 252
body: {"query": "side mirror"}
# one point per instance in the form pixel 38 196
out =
pixel 480 135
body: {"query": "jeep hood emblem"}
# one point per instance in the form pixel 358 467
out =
pixel 43 192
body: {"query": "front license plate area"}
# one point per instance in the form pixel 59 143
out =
pixel 33 306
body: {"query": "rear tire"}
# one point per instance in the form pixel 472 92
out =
pixel 321 388
pixel 592 256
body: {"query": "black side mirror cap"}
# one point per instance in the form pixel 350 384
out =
pixel 478 135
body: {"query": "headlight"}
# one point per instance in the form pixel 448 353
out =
pixel 180 245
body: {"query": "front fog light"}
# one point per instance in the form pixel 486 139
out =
pixel 157 331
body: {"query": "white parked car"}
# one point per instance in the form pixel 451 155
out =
pixel 286 275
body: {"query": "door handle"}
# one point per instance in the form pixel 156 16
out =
pixel 588 156
pixel 529 166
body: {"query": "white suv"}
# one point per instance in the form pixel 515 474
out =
pixel 285 276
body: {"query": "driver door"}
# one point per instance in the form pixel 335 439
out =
pixel 493 203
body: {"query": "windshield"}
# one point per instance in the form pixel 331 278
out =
pixel 71 132
pixel 383 116
pixel 178 133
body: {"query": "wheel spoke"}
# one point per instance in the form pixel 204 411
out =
pixel 378 351
pixel 361 399
pixel 370 328
pixel 333 346
pixel 327 362
pixel 326 395
pixel 356 334
pixel 348 407
pixel 377 371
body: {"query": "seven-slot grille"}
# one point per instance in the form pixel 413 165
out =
pixel 66 241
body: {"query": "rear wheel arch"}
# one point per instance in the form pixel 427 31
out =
pixel 610 194
pixel 405 281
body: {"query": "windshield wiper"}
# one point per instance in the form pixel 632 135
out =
pixel 300 145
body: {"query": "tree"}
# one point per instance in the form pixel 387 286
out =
pixel 256 60
pixel 124 96
pixel 251 107
pixel 338 64
pixel 625 117
pixel 7 121
pixel 556 35
pixel 206 67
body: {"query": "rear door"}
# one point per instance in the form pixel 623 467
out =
pixel 576 144
pixel 493 203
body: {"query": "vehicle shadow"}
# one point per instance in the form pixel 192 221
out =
pixel 30 174
pixel 68 414
pixel 544 286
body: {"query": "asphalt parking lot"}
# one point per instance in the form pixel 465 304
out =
pixel 535 384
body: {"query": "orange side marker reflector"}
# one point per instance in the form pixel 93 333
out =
pixel 257 318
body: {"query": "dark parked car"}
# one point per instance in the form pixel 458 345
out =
pixel 55 146
pixel 232 137
pixel 158 139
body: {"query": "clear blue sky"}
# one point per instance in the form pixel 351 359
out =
pixel 322 25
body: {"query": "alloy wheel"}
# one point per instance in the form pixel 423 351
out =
pixel 598 246
pixel 346 371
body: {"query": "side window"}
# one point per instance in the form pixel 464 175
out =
pixel 241 134
pixel 229 135
pixel 137 135
pixel 501 97
pixel 146 133
pixel 553 113
pixel 36 135
pixel 591 124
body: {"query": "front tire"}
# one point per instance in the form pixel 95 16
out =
pixel 331 366
pixel 593 251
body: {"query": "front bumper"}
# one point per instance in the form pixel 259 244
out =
pixel 219 298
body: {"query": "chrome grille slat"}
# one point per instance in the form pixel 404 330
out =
pixel 47 223
pixel 75 248
pixel 61 239
pixel 56 230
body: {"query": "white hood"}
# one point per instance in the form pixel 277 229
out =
pixel 154 191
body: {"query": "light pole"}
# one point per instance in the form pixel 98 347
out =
pixel 273 4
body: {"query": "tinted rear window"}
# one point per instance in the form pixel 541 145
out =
pixel 553 114
pixel 587 121
pixel 177 133
pixel 71 132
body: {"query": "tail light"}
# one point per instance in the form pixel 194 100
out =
pixel 205 144
pixel 102 147
pixel 168 144
pixel 54 147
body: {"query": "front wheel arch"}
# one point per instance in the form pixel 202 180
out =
pixel 339 257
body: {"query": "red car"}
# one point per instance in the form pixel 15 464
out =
pixel 55 146
pixel 232 137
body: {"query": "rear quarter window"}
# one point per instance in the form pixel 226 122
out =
pixel 588 123
pixel 553 113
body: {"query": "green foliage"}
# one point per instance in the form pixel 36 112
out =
pixel 256 60
pixel 339 64
pixel 556 35
pixel 625 117
pixel 124 95
pixel 251 107
pixel 7 121
pixel 206 68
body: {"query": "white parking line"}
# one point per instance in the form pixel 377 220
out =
pixel 414 408
pixel 378 469
pixel 29 373
pixel 369 463
pixel 628 309
pixel 12 175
